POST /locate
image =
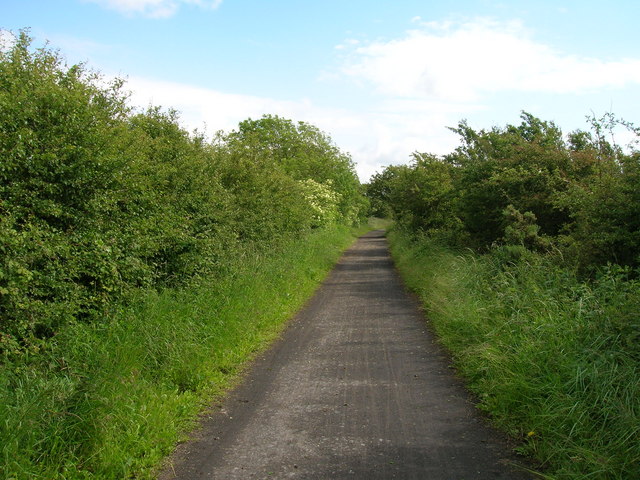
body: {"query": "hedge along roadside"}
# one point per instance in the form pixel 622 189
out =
pixel 98 200
pixel 111 399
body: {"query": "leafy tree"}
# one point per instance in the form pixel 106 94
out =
pixel 303 152
pixel 379 190
pixel 603 202
pixel 526 186
pixel 420 197
pixel 523 166
pixel 57 125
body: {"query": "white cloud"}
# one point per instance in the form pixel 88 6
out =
pixel 7 40
pixel 202 106
pixel 462 62
pixel 78 49
pixel 349 42
pixel 153 8
pixel 386 134
pixel 429 79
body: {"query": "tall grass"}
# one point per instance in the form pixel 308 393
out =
pixel 555 361
pixel 109 400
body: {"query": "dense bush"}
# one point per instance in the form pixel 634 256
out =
pixel 58 130
pixel 97 200
pixel 524 185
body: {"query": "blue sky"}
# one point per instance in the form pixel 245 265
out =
pixel 384 78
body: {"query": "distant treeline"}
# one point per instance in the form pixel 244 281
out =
pixel 98 199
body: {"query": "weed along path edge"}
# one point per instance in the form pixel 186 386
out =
pixel 356 388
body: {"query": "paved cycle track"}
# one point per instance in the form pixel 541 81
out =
pixel 356 388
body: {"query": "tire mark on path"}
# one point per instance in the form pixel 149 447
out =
pixel 357 388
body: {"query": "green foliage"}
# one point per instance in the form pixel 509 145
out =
pixel 523 166
pixel 97 200
pixel 419 197
pixel 379 190
pixel 303 152
pixel 521 229
pixel 323 202
pixel 605 204
pixel 58 130
pixel 527 187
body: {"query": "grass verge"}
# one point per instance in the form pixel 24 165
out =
pixel 553 360
pixel 110 401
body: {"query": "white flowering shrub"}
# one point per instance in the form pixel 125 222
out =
pixel 323 202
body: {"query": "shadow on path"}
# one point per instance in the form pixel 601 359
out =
pixel 357 388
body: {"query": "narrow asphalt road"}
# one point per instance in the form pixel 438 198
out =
pixel 357 388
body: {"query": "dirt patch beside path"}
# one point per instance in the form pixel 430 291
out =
pixel 357 388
